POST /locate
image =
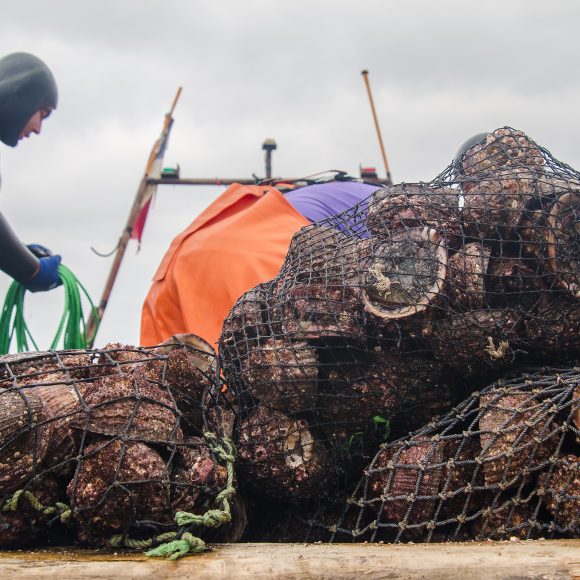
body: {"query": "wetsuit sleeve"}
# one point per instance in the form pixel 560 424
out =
pixel 15 258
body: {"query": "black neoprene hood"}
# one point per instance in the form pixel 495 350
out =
pixel 26 86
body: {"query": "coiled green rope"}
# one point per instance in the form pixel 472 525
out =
pixel 72 322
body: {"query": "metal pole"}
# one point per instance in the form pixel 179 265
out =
pixel 268 146
pixel 365 74
pixel 224 181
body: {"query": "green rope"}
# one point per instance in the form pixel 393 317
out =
pixel 72 322
pixel 175 547
pixel 172 545
pixel 60 508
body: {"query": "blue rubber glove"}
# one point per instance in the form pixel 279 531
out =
pixel 47 276
pixel 39 251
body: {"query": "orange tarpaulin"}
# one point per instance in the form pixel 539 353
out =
pixel 239 241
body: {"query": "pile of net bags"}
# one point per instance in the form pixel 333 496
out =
pixel 116 447
pixel 383 379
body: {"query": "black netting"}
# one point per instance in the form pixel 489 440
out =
pixel 385 317
pixel 108 446
pixel 503 463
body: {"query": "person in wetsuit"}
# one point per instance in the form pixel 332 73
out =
pixel 28 94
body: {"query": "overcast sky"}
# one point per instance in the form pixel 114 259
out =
pixel 440 72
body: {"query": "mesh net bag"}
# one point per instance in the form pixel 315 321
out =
pixel 386 316
pixel 503 463
pixel 120 446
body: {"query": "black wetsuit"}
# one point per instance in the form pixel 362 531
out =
pixel 26 86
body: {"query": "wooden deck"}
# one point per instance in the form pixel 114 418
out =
pixel 548 560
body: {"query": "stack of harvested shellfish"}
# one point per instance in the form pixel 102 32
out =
pixel 109 443
pixel 384 318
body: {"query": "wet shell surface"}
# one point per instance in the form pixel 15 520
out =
pixel 248 317
pixel 118 485
pixel 181 376
pixel 563 237
pixel 32 369
pixel 550 234
pixel 25 434
pixel 280 456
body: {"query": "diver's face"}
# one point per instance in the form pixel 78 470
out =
pixel 35 122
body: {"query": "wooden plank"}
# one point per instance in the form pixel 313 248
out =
pixel 549 560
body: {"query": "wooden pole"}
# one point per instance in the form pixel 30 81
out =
pixel 556 559
pixel 365 74
pixel 144 193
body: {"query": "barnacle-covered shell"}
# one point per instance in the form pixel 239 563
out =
pixel 314 311
pixel 514 283
pixel 462 487
pixel 404 479
pixel 248 317
pixel 281 457
pixel 414 205
pixel 121 405
pixel 25 435
pixel 23 525
pixel 405 275
pixel 506 520
pixel 494 206
pixel 197 478
pixel 576 412
pixel 502 149
pixel 116 358
pixel 180 375
pixel 517 436
pixel 118 485
pixel 465 282
pixel 428 395
pixel 382 384
pixel 564 242
pixel 561 490
pixel 64 405
pixel 44 369
pixel 315 255
pixel 550 235
pixel 477 340
pixel 554 330
pixel 282 374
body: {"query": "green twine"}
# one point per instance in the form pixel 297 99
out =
pixel 173 545
pixel 58 508
pixel 72 323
